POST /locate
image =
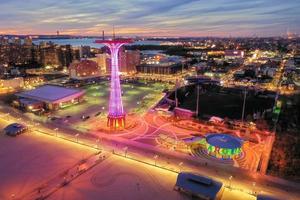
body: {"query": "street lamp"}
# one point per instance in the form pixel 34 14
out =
pixel 253 184
pixel 155 158
pixel 77 137
pixel 56 130
pixel 176 91
pixel 230 179
pixel 125 151
pixel 180 166
pixel 197 105
pixel 97 143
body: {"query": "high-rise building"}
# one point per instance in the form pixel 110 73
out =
pixel 85 51
pixel 49 56
pixel 16 40
pixel 103 61
pixel 84 69
pixel 128 60
pixel 65 55
pixel 28 41
pixel 4 40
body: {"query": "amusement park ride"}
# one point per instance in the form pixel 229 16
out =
pixel 116 115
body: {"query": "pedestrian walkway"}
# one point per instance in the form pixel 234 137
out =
pixel 46 189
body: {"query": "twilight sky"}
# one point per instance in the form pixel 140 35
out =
pixel 151 17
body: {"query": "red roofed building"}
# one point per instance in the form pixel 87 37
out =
pixel 84 69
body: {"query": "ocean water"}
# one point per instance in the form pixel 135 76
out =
pixel 88 42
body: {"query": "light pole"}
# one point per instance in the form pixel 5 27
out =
pixel 253 184
pixel 176 98
pixel 197 107
pixel 180 166
pixel 155 158
pixel 125 151
pixel 77 137
pixel 230 179
pixel 56 130
pixel 97 143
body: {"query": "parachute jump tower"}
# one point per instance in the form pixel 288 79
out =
pixel 116 115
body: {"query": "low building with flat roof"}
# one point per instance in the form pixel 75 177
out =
pixel 266 197
pixel 50 96
pixel 199 186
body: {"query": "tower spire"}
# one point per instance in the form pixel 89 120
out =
pixel 114 35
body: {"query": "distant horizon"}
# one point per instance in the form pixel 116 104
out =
pixel 60 36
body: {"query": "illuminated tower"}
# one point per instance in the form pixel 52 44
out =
pixel 116 114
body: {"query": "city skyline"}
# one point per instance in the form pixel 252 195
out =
pixel 156 18
pixel 150 99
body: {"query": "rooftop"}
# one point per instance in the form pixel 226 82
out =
pixel 198 185
pixel 266 197
pixel 49 93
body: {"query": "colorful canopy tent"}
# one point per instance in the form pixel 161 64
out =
pixel 223 146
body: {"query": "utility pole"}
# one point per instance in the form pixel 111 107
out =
pixel 244 104
pixel 176 98
pixel 197 107
pixel 114 35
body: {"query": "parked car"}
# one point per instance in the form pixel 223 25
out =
pixel 97 114
pixel 84 118
pixel 15 129
pixel 53 118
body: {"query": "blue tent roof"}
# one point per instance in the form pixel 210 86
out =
pixel 266 197
pixel 224 141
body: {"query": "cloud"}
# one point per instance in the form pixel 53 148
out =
pixel 151 17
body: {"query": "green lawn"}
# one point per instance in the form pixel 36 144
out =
pixel 136 97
